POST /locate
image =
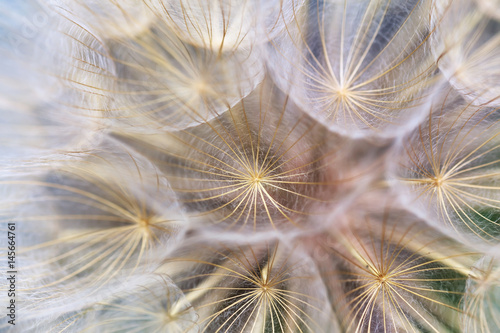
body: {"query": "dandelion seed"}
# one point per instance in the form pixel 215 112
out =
pixel 149 79
pixel 164 83
pixel 105 227
pixel 388 273
pixel 450 164
pixel 251 288
pixel 358 67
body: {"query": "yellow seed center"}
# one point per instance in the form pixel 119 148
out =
pixel 437 181
pixel 144 223
pixel 256 179
pixel 382 279
pixel 343 92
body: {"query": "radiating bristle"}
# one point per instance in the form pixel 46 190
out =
pixel 450 165
pixel 385 272
pixel 358 67
pixel 226 25
pixel 163 83
pixel 108 212
pixel 264 287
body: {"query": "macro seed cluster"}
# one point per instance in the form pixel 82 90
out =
pixel 250 165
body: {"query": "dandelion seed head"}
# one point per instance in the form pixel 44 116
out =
pixel 250 165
